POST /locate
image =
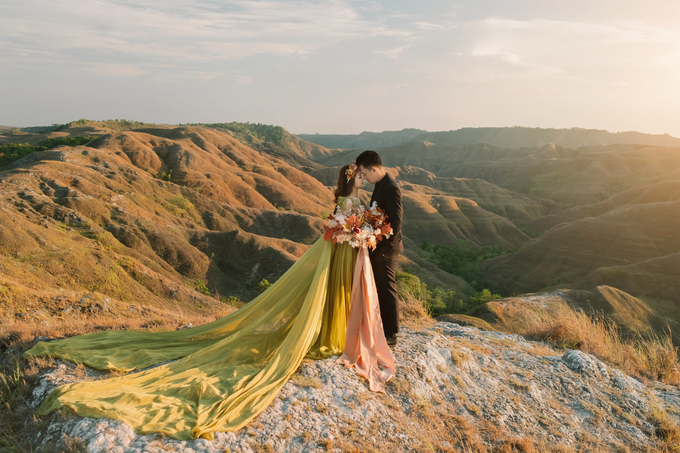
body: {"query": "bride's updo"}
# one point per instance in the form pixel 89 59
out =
pixel 344 187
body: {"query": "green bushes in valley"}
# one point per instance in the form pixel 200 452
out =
pixel 13 151
pixel 116 125
pixel 437 301
pixel 266 132
pixel 461 261
pixel 50 143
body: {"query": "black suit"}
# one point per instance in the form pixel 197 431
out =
pixel 384 258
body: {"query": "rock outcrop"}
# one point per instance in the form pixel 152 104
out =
pixel 456 388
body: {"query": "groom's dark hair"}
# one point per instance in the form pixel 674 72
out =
pixel 369 159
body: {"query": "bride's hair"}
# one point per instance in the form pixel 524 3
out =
pixel 344 187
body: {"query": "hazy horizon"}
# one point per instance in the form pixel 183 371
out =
pixel 344 66
pixel 353 133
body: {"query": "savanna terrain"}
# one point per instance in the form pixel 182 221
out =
pixel 121 224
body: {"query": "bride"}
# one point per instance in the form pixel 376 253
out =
pixel 219 376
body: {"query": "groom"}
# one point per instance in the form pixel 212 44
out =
pixel 384 258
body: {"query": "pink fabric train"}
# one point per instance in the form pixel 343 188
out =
pixel 366 348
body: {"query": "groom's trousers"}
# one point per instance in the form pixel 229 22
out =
pixel 385 272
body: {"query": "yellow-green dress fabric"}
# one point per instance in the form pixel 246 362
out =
pixel 222 374
pixel 331 340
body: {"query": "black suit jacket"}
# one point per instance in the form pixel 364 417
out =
pixel 388 196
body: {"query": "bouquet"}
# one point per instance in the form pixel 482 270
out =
pixel 360 226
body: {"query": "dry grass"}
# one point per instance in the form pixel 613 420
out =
pixel 398 384
pixel 412 311
pixel 517 445
pixel 651 356
pixel 541 350
pixel 472 408
pixel 519 385
pixel 474 346
pixel 321 408
pixel 304 381
pixel 459 357
pixel 666 429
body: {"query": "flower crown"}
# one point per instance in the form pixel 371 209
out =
pixel 351 172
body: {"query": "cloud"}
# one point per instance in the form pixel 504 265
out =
pixel 391 53
pixel 614 32
pixel 244 80
pixel 329 56
pixel 372 7
pixel 511 58
pixel 428 26
pixel 116 70
pixel 672 59
pixel 502 55
pixel 173 30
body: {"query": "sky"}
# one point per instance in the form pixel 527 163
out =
pixel 344 66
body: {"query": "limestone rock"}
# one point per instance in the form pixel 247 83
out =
pixel 448 376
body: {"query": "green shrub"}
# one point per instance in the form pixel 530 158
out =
pixel 435 301
pixel 13 151
pixel 50 143
pixel 462 261
pixel 181 203
pixel 557 281
pixel 463 307
pixel 266 132
pixel 201 288
pixel 263 285
pixel 483 297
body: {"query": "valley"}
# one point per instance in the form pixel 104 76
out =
pixel 188 217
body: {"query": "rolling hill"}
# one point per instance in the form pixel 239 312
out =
pixel 569 177
pixel 162 216
pixel 506 137
pixel 596 215
pixel 630 242
pixel 174 216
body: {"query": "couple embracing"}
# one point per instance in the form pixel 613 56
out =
pixel 335 300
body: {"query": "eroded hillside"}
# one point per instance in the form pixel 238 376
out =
pixel 102 219
pixel 577 218
pixel 168 217
pixel 161 221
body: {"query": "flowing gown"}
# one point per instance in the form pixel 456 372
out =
pixel 224 373
pixel 331 340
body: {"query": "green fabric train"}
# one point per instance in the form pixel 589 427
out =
pixel 222 374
